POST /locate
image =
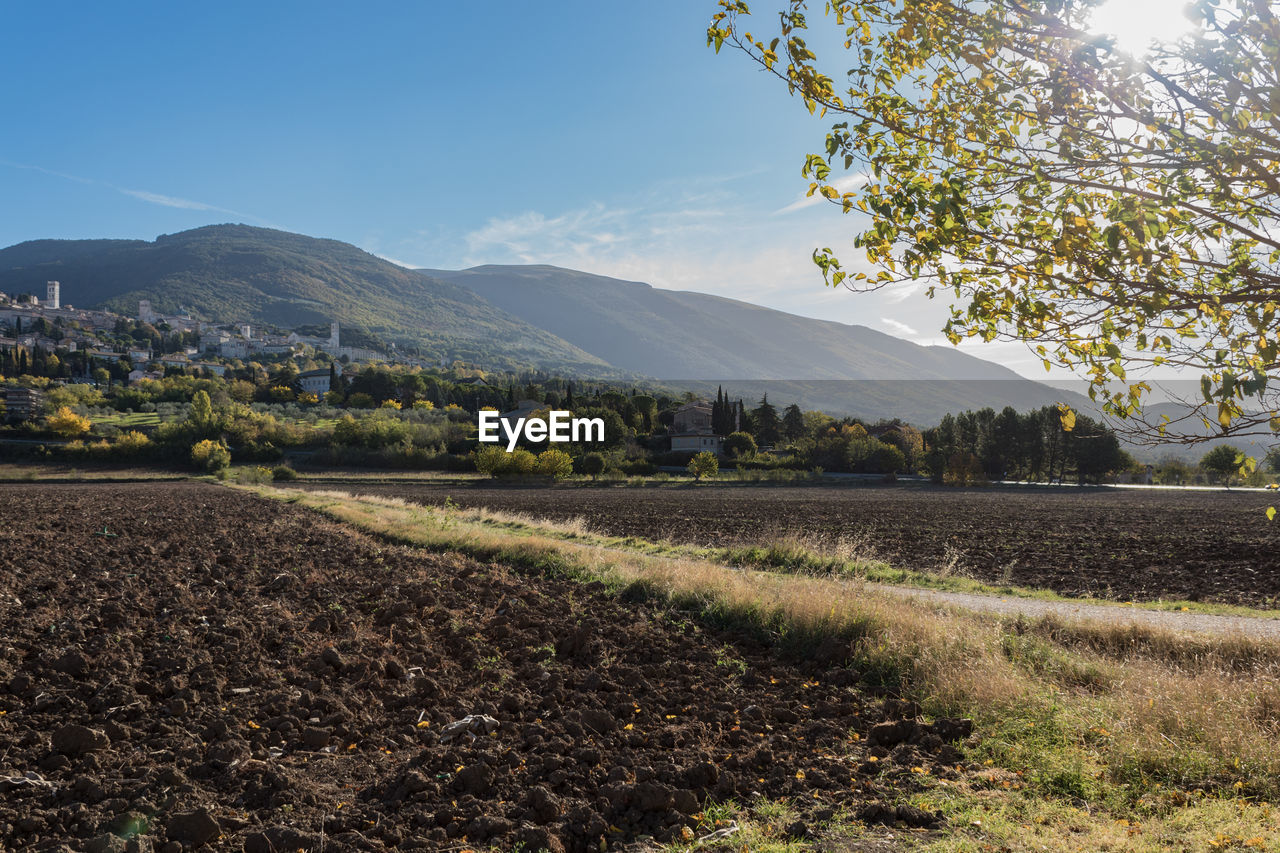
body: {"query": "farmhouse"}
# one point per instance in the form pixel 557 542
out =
pixel 691 429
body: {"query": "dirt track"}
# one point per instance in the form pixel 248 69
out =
pixel 183 667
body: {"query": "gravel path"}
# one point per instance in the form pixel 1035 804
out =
pixel 1172 620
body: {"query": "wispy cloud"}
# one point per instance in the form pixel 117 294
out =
pixel 42 170
pixel 141 195
pixel 532 237
pixel 169 201
pixel 691 244
pixel 845 184
pixel 898 327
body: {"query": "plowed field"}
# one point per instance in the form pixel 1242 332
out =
pixel 183 667
pixel 1110 543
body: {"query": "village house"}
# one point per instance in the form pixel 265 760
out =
pixel 691 429
pixel 138 374
pixel 22 404
pixel 235 348
pixel 315 381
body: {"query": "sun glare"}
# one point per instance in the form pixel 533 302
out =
pixel 1137 23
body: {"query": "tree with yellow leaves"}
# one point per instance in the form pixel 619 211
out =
pixel 1115 212
pixel 65 423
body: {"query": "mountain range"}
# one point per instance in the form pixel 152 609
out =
pixel 566 321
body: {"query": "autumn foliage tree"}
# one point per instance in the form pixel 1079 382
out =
pixel 65 423
pixel 1115 212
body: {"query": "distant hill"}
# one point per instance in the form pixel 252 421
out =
pixel 227 273
pixel 697 342
pixel 674 334
pixel 566 321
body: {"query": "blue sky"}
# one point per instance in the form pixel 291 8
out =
pixel 596 135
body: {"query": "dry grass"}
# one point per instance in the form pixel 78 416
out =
pixel 1138 722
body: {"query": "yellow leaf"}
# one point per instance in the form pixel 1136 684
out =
pixel 1067 417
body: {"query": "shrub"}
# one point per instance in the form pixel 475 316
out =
pixel 740 445
pixel 131 444
pixel 705 464
pixel 555 463
pixel 490 459
pixel 964 469
pixel 592 464
pixel 257 474
pixel 283 472
pixel 637 467
pixel 211 456
pixel 674 458
pixel 521 463
pixel 496 462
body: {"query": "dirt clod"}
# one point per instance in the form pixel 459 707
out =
pixel 78 740
pixel 192 829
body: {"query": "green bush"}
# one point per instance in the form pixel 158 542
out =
pixel 674 458
pixel 555 464
pixel 740 445
pixel 490 459
pixel 211 456
pixel 637 467
pixel 592 464
pixel 705 464
pixel 496 462
pixel 283 472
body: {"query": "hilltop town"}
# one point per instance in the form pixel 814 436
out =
pixel 150 345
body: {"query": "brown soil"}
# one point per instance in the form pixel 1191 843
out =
pixel 1110 543
pixel 183 667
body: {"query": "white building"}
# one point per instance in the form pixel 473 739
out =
pixel 315 381
pixel 53 294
